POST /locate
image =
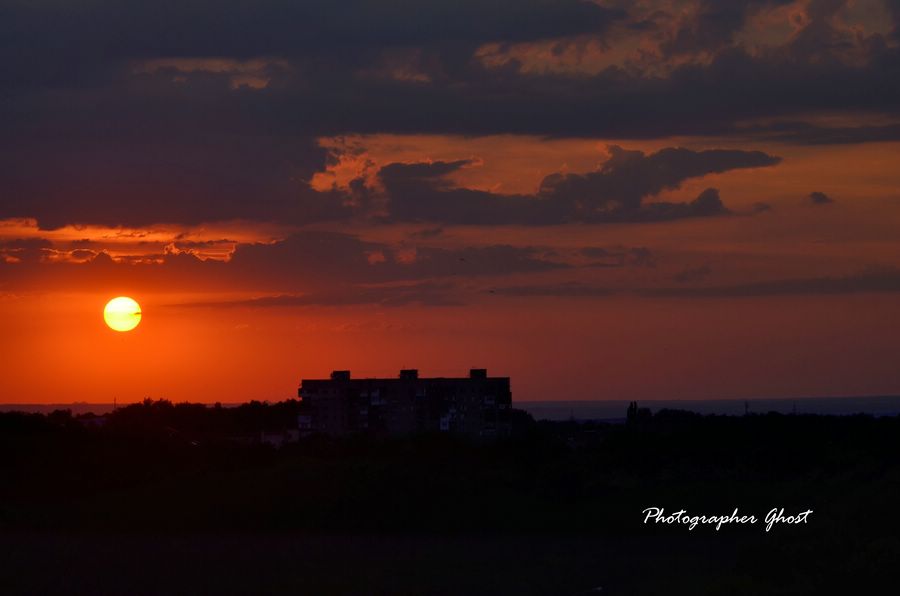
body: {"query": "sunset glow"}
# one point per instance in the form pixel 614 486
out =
pixel 603 200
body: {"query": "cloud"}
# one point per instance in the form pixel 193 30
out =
pixel 423 293
pixel 318 59
pixel 24 249
pixel 427 233
pixel 712 25
pixel 614 193
pixel 693 274
pixel 880 281
pixel 876 281
pixel 314 261
pixel 167 178
pixel 127 113
pixel 806 133
pixel 638 256
pixel 131 29
pixel 316 257
pixel 819 198
pixel 629 176
pixel 221 180
pixel 419 192
pixel 558 290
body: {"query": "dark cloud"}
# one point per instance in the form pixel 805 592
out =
pixel 619 256
pixel 25 249
pixel 878 281
pixel 315 257
pixel 165 180
pixel 321 262
pixel 264 179
pixel 90 133
pixel 565 289
pixel 92 33
pixel 629 176
pixel 25 244
pixel 83 243
pixel 83 58
pixel 713 25
pixel 424 293
pixel 819 198
pixel 83 254
pixel 642 257
pixel 614 193
pixel 872 281
pixel 820 38
pixel 706 204
pixel 893 7
pixel 693 274
pixel 427 233
pixel 180 245
pixel 811 134
pixel 599 252
pixel 419 192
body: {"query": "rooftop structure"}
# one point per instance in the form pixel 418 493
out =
pixel 475 406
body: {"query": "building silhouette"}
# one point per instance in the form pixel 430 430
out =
pixel 475 406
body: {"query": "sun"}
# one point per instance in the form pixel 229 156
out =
pixel 122 313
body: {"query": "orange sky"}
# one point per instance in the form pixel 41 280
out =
pixel 603 200
pixel 58 349
pixel 623 346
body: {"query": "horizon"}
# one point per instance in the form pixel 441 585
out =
pixel 586 410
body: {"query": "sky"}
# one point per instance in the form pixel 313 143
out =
pixel 649 199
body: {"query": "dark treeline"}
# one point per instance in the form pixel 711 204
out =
pixel 162 467
pixel 156 417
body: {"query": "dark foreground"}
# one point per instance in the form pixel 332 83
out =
pixel 178 500
pixel 153 563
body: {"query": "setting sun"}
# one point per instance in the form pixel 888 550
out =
pixel 122 313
